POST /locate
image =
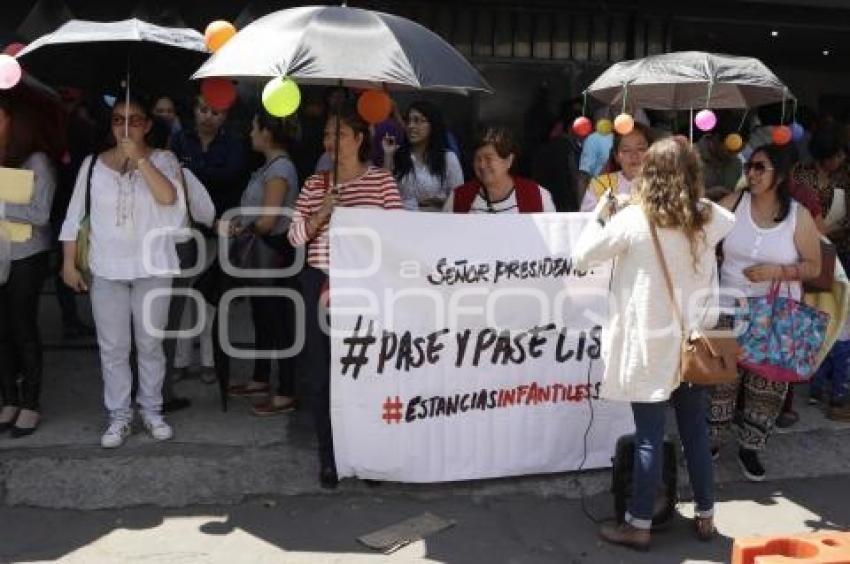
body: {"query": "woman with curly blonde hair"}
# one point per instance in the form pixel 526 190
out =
pixel 641 347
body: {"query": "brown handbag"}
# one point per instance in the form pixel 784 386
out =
pixel 824 281
pixel 705 360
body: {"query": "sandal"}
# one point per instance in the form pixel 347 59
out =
pixel 787 419
pixel 8 414
pixel 704 528
pixel 251 389
pixel 274 407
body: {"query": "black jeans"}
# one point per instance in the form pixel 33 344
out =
pixel 274 330
pixel 187 252
pixel 318 349
pixel 20 341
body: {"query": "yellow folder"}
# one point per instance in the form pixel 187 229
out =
pixel 16 232
pixel 16 185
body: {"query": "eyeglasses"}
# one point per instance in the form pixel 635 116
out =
pixel 208 110
pixel 135 120
pixel 416 120
pixel 757 167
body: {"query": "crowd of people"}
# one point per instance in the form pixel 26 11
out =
pixel 156 167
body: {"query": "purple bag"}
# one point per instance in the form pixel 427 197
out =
pixel 782 338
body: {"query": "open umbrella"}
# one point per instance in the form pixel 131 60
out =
pixel 100 55
pixel 330 45
pixel 342 46
pixel 687 80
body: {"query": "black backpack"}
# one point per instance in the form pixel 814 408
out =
pixel 621 482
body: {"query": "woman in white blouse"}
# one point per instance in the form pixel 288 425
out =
pixel 425 169
pixel 132 191
pixel 642 345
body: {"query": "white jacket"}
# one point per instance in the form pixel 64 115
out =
pixel 641 346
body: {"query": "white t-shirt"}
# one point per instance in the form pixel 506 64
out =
pixel 123 213
pixel 507 204
pixel 748 245
pixel 419 183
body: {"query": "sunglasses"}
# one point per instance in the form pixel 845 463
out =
pixel 757 167
pixel 135 120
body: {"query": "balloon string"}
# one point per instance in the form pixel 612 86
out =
pixel 691 127
pixel 708 99
pixel 782 117
pixel 584 103
pixel 743 119
pixel 625 95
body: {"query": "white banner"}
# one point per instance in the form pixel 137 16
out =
pixel 466 346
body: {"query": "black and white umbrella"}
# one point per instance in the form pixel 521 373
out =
pixel 338 45
pixel 101 55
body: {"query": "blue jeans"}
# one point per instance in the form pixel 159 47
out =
pixel 689 403
pixel 832 374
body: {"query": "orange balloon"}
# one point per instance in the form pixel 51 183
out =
pixel 374 106
pixel 218 93
pixel 781 135
pixel 624 124
pixel 217 34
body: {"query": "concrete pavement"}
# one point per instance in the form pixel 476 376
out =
pixel 232 487
pixel 515 529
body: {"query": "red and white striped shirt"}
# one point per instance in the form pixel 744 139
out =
pixel 375 189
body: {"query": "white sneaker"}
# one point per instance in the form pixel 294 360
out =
pixel 158 429
pixel 115 434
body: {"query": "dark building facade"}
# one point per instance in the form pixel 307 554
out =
pixel 541 52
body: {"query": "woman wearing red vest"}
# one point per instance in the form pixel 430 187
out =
pixel 494 189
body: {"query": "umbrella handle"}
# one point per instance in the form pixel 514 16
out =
pixel 691 126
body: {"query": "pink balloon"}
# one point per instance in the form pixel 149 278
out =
pixel 10 72
pixel 705 120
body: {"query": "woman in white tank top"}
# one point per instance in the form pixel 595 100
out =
pixel 774 239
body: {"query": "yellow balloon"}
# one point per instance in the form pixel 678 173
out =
pixel 733 142
pixel 604 126
pixel 281 97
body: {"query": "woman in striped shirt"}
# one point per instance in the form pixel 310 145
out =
pixel 358 185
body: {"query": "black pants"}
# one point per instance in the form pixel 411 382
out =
pixel 318 349
pixel 187 252
pixel 20 341
pixel 274 330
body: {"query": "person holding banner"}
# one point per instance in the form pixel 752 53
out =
pixel 356 184
pixel 626 157
pixel 642 345
pixel 128 192
pixel 494 189
pixel 20 342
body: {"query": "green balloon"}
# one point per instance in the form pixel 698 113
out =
pixel 281 97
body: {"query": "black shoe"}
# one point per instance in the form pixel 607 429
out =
pixel 373 483
pixel 20 432
pixel 787 419
pixel 815 397
pixel 175 404
pixel 750 464
pixel 328 478
pixel 715 453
